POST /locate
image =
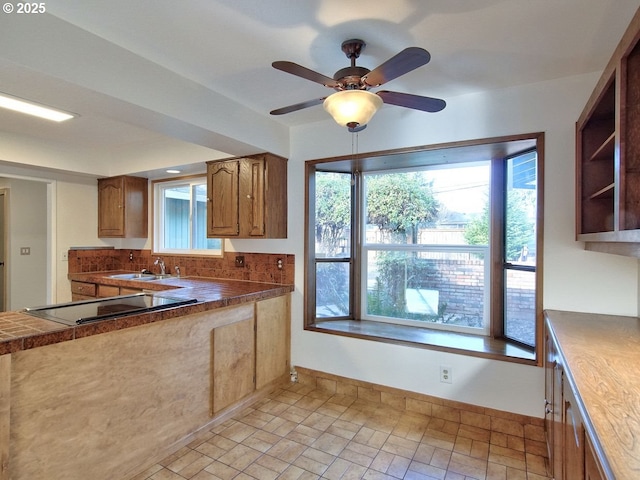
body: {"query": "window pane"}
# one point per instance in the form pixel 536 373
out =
pixel 520 306
pixel 332 289
pixel 520 226
pixel 176 217
pixel 199 227
pixel 398 206
pixel 446 288
pixel 429 207
pixel 462 193
pixel 333 214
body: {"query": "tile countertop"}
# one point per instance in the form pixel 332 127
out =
pixel 19 331
pixel 602 354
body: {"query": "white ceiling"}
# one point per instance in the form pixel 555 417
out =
pixel 142 72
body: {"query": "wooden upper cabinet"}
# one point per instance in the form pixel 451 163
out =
pixel 608 152
pixel 222 196
pixel 247 197
pixel 122 207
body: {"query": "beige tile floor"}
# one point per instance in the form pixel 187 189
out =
pixel 302 433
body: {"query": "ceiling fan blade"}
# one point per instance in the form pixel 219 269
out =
pixel 416 102
pixel 300 71
pixel 405 61
pixel 297 106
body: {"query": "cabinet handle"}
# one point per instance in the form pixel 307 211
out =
pixel 249 196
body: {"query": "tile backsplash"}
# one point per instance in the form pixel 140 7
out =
pixel 258 267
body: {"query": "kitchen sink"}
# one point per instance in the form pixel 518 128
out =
pixel 137 276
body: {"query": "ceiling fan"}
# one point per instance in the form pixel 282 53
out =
pixel 353 105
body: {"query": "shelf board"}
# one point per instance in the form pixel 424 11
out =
pixel 605 151
pixel 603 192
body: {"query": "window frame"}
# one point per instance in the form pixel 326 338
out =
pixel 157 245
pixel 495 345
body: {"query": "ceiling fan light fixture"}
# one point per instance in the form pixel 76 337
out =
pixel 350 108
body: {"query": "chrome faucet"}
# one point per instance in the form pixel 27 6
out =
pixel 160 262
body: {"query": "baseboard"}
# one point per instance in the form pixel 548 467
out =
pixel 507 429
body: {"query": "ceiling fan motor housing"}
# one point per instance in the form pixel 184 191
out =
pixel 351 77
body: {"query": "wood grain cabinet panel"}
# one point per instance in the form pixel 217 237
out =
pixel 272 340
pixel 247 197
pixel 592 467
pixel 104 291
pixel 573 436
pixel 122 207
pixel 222 191
pixel 232 363
pixel 83 289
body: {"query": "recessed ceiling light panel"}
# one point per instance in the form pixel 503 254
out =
pixel 19 105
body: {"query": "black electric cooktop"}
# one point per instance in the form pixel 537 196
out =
pixel 76 313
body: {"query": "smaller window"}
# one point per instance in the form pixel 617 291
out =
pixel 180 218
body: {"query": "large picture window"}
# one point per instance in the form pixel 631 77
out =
pixel 441 242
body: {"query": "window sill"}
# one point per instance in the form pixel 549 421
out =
pixel 462 344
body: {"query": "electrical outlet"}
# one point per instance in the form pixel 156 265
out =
pixel 239 261
pixel 446 374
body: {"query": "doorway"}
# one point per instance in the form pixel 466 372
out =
pixel 26 273
pixel 3 236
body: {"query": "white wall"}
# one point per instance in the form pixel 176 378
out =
pixel 76 208
pixel 573 278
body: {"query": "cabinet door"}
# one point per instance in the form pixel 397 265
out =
pixel 573 437
pixel 252 201
pixel 222 189
pixel 592 469
pixel 111 207
pixel 558 425
pixel 232 363
pixel 272 339
pixel 549 393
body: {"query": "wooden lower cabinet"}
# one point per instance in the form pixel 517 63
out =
pixel 592 467
pixel 251 353
pixel 232 363
pixel 571 452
